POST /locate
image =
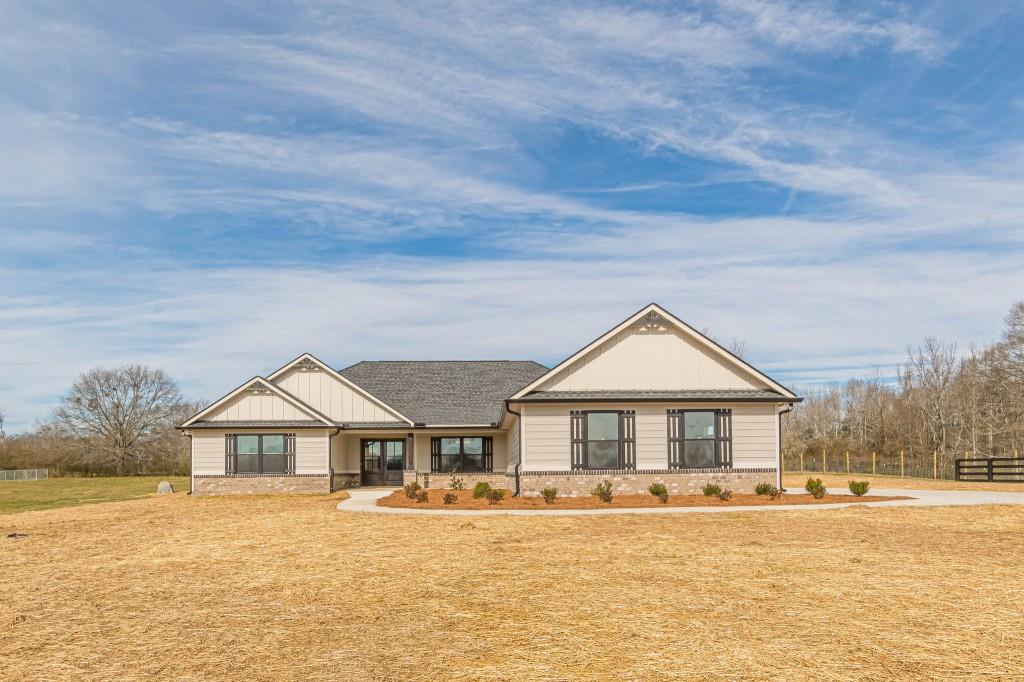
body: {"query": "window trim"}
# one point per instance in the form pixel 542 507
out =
pixel 722 442
pixel 231 454
pixel 486 453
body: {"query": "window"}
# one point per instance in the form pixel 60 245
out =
pixel 461 454
pixel 260 453
pixel 602 440
pixel 699 439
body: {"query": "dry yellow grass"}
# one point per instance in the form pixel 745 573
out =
pixel 288 588
pixel 797 481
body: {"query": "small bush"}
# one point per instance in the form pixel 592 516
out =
pixel 763 488
pixel 456 482
pixel 603 491
pixel 712 489
pixel 494 496
pixel 422 497
pixel 813 484
pixel 451 498
pixel 774 493
pixel 660 491
pixel 412 489
pixel 481 489
pixel 550 495
pixel 859 488
pixel 725 495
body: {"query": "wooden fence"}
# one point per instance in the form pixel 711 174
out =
pixel 995 469
pixel 936 465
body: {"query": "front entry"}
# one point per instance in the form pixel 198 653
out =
pixel 382 462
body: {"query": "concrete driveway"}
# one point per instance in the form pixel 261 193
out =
pixel 366 501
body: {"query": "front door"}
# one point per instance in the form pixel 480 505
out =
pixel 382 462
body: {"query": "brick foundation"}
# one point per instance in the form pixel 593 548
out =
pixel 241 484
pixel 498 479
pixel 688 482
pixel 346 480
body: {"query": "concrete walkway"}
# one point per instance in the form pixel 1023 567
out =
pixel 365 500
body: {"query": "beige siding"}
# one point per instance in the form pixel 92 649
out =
pixel 546 439
pixel 663 359
pixel 262 406
pixel 325 393
pixel 208 450
pixel 512 445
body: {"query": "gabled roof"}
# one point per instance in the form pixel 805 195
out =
pixel 264 384
pixel 309 357
pixel 657 311
pixel 440 392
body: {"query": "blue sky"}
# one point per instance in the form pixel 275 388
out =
pixel 215 189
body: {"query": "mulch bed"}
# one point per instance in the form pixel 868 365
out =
pixel 467 501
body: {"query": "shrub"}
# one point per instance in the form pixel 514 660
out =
pixel 495 495
pixel 859 488
pixel 451 498
pixel 725 495
pixel 660 491
pixel 550 495
pixel 763 488
pixel 422 497
pixel 774 493
pixel 456 482
pixel 481 489
pixel 411 489
pixel 603 491
pixel 712 489
pixel 815 487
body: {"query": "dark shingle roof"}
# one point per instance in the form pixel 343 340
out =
pixel 445 392
pixel 709 394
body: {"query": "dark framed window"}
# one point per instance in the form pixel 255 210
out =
pixel 260 453
pixel 603 439
pixel 700 439
pixel 469 454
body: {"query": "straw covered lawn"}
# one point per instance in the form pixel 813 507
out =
pixel 289 588
pixel 797 481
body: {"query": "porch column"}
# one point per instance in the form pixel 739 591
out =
pixel 410 452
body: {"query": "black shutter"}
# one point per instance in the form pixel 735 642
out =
pixel 289 453
pixel 435 455
pixel 578 436
pixel 723 438
pixel 627 439
pixel 230 456
pixel 488 454
pixel 675 439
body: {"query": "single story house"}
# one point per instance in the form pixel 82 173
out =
pixel 650 400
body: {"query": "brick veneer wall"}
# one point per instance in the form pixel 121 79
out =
pixel 436 481
pixel 346 480
pixel 577 483
pixel 241 484
pixel 688 482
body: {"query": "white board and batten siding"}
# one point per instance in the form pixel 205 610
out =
pixel 258 406
pixel 326 394
pixel 547 440
pixel 208 449
pixel 658 359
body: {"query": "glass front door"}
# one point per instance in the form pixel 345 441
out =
pixel 382 462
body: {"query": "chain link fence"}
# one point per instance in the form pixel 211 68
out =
pixel 936 465
pixel 24 474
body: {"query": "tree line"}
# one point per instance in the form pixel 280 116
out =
pixel 942 401
pixel 117 420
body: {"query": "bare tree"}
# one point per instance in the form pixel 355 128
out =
pixel 1 424
pixel 118 412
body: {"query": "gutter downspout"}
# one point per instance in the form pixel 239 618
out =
pixel 519 425
pixel 779 472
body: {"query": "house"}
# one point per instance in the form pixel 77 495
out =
pixel 650 400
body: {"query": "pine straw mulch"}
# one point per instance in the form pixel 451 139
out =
pixel 465 500
pixel 289 588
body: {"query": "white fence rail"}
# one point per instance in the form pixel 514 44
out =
pixel 24 474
